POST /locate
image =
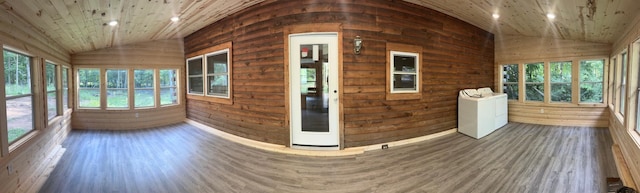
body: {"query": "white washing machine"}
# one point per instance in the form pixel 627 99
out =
pixel 481 111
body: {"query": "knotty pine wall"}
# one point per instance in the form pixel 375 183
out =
pixel 519 49
pixel 628 141
pixel 31 159
pixel 456 55
pixel 156 54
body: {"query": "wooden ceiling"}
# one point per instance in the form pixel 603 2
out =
pixel 82 25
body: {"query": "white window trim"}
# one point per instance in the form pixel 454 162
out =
pixel 203 64
pixel 392 72
pixel 206 74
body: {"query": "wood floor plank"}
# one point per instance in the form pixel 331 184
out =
pixel 183 158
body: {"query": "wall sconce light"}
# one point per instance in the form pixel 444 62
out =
pixel 357 45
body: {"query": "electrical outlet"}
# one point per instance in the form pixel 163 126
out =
pixel 136 115
pixel 541 110
pixel 385 146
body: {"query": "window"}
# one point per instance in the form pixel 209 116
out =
pixel 218 74
pixel 403 71
pixel 195 79
pixel 510 80
pixel 561 81
pixel 623 82
pixel 591 80
pixel 117 88
pixel 168 87
pixel 65 88
pixel 51 84
pixel 144 88
pixel 18 95
pixel 88 88
pixel 534 81
pixel 612 85
pixel 210 74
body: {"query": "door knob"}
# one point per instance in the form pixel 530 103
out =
pixel 335 91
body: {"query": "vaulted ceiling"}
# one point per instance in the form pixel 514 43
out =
pixel 83 25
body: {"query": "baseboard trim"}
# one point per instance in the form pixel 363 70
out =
pixel 287 150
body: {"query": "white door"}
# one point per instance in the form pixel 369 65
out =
pixel 313 76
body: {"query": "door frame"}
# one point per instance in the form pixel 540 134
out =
pixel 313 28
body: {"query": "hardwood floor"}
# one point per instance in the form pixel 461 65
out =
pixel 183 158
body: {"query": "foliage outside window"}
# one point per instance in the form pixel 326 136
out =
pixel 623 82
pixel 561 81
pixel 510 80
pixel 218 73
pixel 144 88
pixel 534 81
pixel 88 88
pixel 117 88
pixel 404 67
pixel 591 80
pixel 195 78
pixel 168 87
pixel 65 88
pixel 52 88
pixel 18 95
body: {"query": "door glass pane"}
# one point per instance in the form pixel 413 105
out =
pixel 314 89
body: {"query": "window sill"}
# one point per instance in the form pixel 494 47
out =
pixel 17 144
pixel 228 101
pixel 555 104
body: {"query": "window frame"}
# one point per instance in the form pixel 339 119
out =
pixel 106 83
pixel 201 75
pixel 175 87
pixel 612 82
pixel 547 102
pixel 622 90
pixel 203 53
pixel 36 121
pixel 66 90
pixel 56 90
pixel 403 49
pixel 77 85
pixel 580 82
pixel 544 80
pixel 551 82
pixel 153 72
pixel 207 74
pixel 505 83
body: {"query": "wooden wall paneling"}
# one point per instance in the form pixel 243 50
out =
pixel 628 147
pixel 162 54
pixel 622 127
pixel 28 158
pixel 456 55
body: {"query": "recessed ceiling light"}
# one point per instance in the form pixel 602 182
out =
pixel 113 23
pixel 175 18
pixel 551 15
pixel 495 16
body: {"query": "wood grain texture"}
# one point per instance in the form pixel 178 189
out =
pixel 558 115
pixel 182 158
pixel 162 54
pixel 630 151
pixel 456 55
pixel 30 159
pixel 522 50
